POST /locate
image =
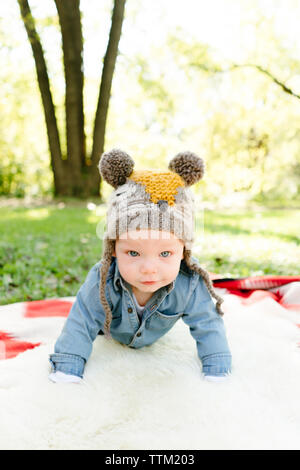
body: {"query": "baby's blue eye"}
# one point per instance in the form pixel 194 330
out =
pixel 165 252
pixel 131 251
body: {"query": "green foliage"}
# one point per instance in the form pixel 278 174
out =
pixel 11 179
pixel 24 158
pixel 250 126
pixel 178 93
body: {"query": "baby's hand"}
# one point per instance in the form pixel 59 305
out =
pixel 60 377
pixel 214 378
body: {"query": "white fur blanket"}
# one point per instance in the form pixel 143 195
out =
pixel 155 397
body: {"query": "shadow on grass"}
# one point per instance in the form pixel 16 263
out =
pixel 230 224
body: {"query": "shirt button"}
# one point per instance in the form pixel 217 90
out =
pixel 130 310
pixel 139 333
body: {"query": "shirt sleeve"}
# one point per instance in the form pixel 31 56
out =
pixel 74 345
pixel 207 328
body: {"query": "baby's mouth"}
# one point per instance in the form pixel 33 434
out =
pixel 148 282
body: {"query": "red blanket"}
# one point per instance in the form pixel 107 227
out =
pixel 285 290
pixel 255 288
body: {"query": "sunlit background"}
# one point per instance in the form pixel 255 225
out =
pixel 239 120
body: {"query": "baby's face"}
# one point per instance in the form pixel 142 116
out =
pixel 148 259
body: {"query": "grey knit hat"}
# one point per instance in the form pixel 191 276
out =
pixel 150 199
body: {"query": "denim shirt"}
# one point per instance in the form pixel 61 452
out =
pixel 187 297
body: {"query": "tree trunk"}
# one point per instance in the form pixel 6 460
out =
pixel 49 110
pixel 105 90
pixel 76 175
pixel 72 44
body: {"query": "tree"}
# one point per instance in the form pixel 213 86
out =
pixel 76 173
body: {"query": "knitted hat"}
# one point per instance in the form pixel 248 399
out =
pixel 150 199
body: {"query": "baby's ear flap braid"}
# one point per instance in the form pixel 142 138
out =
pixel 108 249
pixel 205 276
pixel 189 166
pixel 115 166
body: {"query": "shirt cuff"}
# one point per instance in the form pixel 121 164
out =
pixel 218 365
pixel 216 378
pixel 60 377
pixel 67 363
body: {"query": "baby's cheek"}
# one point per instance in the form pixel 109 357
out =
pixel 127 271
pixel 173 271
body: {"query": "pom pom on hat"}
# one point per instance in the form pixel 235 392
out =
pixel 115 166
pixel 189 166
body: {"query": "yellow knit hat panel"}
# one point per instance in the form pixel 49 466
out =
pixel 161 185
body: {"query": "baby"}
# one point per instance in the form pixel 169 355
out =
pixel 147 278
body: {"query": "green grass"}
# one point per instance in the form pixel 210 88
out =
pixel 47 251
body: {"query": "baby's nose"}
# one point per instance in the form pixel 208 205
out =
pixel 148 266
